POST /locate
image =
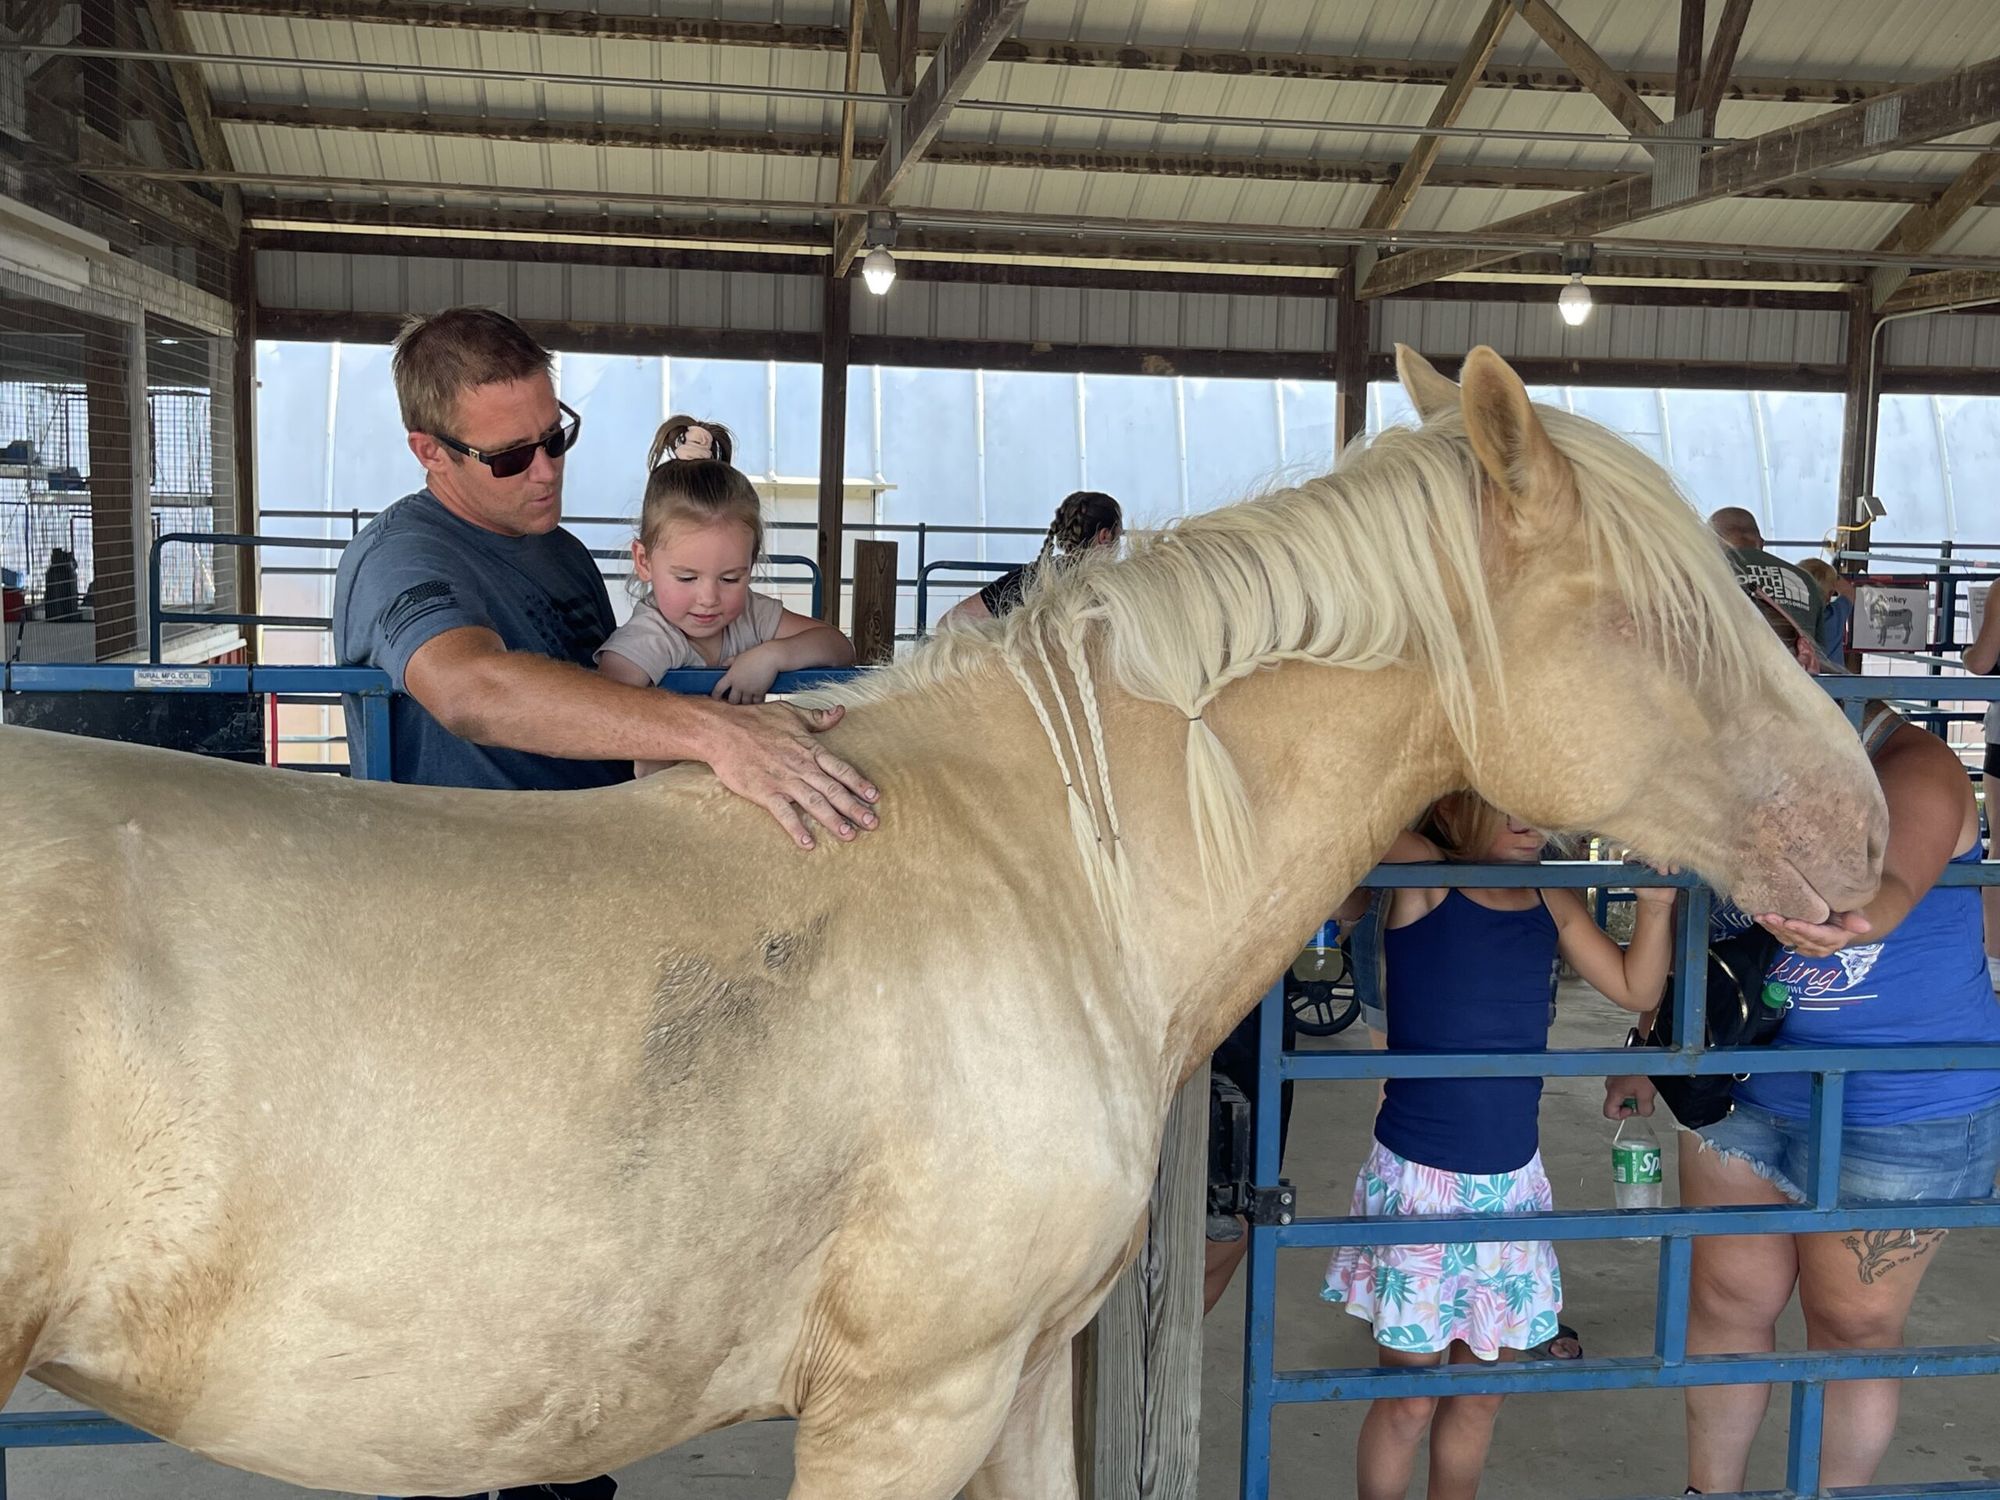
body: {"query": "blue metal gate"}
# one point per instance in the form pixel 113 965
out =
pixel 1670 1365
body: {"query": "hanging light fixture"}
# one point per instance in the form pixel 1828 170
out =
pixel 879 270
pixel 1574 301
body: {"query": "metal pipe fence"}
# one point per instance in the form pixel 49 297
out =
pixel 1670 1366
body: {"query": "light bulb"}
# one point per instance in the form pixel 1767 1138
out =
pixel 1574 301
pixel 879 270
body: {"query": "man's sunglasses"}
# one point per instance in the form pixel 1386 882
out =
pixel 509 462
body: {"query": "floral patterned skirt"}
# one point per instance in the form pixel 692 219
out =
pixel 1494 1295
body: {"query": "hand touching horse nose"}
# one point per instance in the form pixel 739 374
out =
pixel 768 756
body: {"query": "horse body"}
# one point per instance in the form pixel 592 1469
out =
pixel 397 1139
pixel 542 1172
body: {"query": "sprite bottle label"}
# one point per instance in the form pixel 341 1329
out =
pixel 1635 1162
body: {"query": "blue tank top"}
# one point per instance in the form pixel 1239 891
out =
pixel 1466 978
pixel 1925 984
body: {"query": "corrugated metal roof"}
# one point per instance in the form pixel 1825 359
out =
pixel 1857 40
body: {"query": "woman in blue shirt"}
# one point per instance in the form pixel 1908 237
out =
pixel 1909 968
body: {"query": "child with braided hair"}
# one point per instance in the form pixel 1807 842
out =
pixel 1085 519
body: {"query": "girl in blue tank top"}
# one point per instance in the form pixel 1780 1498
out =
pixel 1470 971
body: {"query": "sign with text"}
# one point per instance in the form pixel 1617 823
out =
pixel 1894 618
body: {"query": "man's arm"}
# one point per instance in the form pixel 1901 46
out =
pixel 479 690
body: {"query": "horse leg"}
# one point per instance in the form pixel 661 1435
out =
pixel 902 1440
pixel 1035 1458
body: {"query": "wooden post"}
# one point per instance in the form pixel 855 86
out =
pixel 835 324
pixel 874 612
pixel 121 484
pixel 243 412
pixel 1138 1367
pixel 1350 362
pixel 1862 417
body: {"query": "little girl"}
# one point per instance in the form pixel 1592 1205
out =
pixel 1469 971
pixel 701 531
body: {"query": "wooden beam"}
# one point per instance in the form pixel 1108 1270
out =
pixel 1272 168
pixel 909 45
pixel 114 387
pixel 1606 82
pixel 1392 202
pixel 1687 57
pixel 843 182
pixel 243 414
pixel 1351 318
pixel 835 341
pixel 1921 228
pixel 173 202
pixel 1861 418
pixel 1039 51
pixel 1721 61
pixel 1958 101
pixel 192 89
pixel 883 32
pixel 497 245
pixel 975 32
pixel 320 326
pixel 1939 291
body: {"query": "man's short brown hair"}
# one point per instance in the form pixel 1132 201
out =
pixel 441 357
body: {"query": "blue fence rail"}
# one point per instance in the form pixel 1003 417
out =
pixel 1670 1366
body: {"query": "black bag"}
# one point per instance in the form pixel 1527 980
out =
pixel 1738 1016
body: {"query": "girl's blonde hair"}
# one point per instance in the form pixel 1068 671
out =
pixel 701 491
pixel 675 428
pixel 1822 573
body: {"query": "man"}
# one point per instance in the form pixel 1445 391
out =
pixel 485 613
pixel 1785 584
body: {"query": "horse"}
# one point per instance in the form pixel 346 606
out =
pixel 399 1139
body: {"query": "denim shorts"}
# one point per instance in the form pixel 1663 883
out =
pixel 1956 1157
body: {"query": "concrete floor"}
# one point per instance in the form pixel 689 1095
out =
pixel 1576 1445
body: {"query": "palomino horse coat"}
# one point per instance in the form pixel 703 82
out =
pixel 395 1139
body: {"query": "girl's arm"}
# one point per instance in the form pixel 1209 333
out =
pixel 1930 803
pixel 971 607
pixel 1634 978
pixel 801 642
pixel 621 668
pixel 1408 849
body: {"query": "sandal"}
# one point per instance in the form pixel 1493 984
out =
pixel 1564 1335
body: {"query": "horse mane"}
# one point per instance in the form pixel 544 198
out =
pixel 1378 563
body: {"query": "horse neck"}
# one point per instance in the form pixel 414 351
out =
pixel 1334 763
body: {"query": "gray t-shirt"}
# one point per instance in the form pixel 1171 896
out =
pixel 416 571
pixel 656 647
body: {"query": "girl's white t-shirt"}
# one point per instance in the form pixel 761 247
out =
pixel 656 647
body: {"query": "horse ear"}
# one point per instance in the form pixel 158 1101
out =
pixel 1534 481
pixel 1429 392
